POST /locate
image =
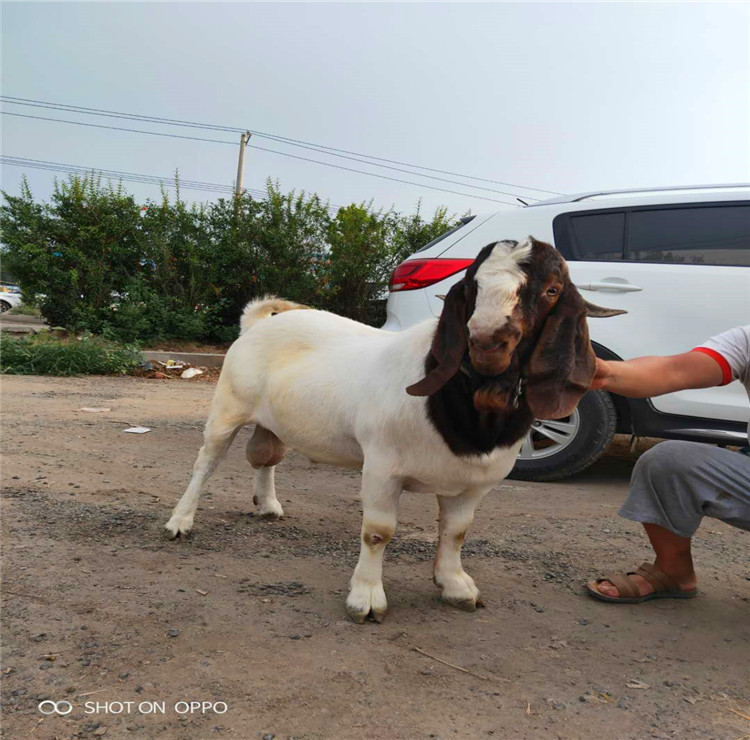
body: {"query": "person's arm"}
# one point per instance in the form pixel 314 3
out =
pixel 644 377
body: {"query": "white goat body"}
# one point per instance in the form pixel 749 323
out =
pixel 409 408
pixel 334 390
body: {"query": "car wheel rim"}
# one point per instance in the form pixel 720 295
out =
pixel 549 437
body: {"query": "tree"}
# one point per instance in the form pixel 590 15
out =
pixel 94 259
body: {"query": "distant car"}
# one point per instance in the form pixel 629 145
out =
pixel 10 297
pixel 677 260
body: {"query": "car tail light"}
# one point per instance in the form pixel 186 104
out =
pixel 415 274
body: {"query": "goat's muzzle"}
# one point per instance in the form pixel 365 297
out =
pixel 493 362
pixel 492 354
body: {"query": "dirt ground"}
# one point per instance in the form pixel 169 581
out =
pixel 248 616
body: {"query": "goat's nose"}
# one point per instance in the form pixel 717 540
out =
pixel 484 344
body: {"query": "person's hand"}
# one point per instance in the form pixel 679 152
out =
pixel 602 375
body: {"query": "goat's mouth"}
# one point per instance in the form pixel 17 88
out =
pixel 494 361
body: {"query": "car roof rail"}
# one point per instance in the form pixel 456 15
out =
pixel 578 197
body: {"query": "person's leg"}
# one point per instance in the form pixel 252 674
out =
pixel 674 485
pixel 672 557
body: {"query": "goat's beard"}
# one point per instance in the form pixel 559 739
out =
pixel 497 394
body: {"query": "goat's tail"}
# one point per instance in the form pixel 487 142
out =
pixel 262 308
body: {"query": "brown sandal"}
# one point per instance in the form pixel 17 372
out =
pixel 665 587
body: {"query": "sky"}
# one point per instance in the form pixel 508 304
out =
pixel 563 97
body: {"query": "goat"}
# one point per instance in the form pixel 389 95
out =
pixel 440 407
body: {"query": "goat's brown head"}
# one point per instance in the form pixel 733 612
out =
pixel 516 314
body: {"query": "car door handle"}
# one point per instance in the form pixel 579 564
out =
pixel 616 287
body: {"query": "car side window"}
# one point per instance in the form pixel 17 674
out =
pixel 705 235
pixel 599 236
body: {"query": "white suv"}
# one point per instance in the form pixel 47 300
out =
pixel 10 297
pixel 677 260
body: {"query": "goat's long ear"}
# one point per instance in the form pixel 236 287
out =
pixel 448 345
pixel 563 362
pixel 599 312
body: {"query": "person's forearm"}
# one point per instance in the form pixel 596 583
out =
pixel 644 377
pixel 639 378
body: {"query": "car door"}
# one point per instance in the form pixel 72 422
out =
pixel 681 271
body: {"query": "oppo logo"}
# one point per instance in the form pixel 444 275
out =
pixel 55 707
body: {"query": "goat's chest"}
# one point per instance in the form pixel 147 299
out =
pixel 442 472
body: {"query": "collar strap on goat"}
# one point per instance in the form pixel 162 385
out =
pixel 518 393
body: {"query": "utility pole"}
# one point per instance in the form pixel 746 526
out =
pixel 244 138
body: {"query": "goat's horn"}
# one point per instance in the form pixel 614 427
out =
pixel 441 297
pixel 597 312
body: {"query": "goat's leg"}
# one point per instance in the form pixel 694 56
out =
pixel 264 451
pixel 380 497
pixel 456 516
pixel 218 435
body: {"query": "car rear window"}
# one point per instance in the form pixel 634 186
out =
pixel 694 236
pixel 465 220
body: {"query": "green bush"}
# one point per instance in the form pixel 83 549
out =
pixel 72 254
pixel 94 260
pixel 46 355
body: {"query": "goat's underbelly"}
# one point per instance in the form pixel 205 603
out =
pixel 345 458
pixel 313 436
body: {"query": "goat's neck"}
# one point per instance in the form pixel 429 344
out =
pixel 469 431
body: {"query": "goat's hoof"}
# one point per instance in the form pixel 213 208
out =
pixel 271 512
pixel 366 602
pixel 255 500
pixel 460 591
pixel 378 616
pixel 178 526
pixel 357 616
pixel 372 615
pixel 467 605
pixel 271 516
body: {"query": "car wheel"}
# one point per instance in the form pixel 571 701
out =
pixel 558 449
pixel 5 306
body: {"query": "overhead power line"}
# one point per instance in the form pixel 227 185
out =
pixel 333 151
pixel 118 128
pixel 117 114
pixel 260 148
pixel 284 154
pixel 131 176
pixel 171 182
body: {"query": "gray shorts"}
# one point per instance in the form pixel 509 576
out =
pixel 676 484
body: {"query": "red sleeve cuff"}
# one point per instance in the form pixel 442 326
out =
pixel 726 371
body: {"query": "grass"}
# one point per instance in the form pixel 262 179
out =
pixel 43 354
pixel 25 309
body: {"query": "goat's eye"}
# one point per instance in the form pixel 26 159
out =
pixel 552 292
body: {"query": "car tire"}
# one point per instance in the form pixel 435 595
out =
pixel 5 306
pixel 588 432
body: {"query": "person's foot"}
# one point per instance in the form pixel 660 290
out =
pixel 686 580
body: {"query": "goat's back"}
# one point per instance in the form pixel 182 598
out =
pixel 315 358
